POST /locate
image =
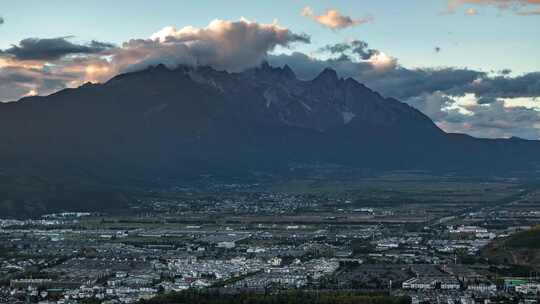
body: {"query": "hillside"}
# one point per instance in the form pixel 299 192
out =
pixel 522 248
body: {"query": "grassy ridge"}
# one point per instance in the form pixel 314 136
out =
pixel 527 239
pixel 521 249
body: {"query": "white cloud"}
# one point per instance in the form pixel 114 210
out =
pixel 333 19
pixel 525 102
pixel 382 62
pixel 520 7
pixel 471 12
pixel 229 45
pixel 501 118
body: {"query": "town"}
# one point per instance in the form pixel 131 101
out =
pixel 272 241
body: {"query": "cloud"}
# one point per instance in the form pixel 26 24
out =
pixel 517 6
pixel 466 114
pixel 479 103
pixel 471 12
pixel 17 81
pixel 45 65
pixel 403 83
pixel 52 48
pixel 382 62
pixel 458 100
pixel 496 119
pixel 356 47
pixel 222 44
pixel 359 51
pixel 489 88
pixel 333 19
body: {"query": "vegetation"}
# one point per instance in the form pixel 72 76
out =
pixel 296 297
pixel 520 249
pixel 526 239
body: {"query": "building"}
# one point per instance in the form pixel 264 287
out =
pixel 428 283
pixel 530 289
pixel 420 283
pixel 483 286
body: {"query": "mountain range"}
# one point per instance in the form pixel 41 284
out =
pixel 186 121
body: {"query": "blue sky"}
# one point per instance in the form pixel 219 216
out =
pixel 409 30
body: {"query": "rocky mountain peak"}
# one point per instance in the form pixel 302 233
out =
pixel 327 76
pixel 170 119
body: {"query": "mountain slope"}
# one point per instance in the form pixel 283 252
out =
pixel 522 248
pixel 158 117
pixel 160 123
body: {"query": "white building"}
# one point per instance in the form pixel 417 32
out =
pixel 532 289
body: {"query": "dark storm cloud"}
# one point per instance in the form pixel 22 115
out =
pixel 403 83
pixel 20 81
pixel 440 92
pixel 53 48
pixel 357 47
pixel 527 85
pixel 398 82
pixel 16 75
